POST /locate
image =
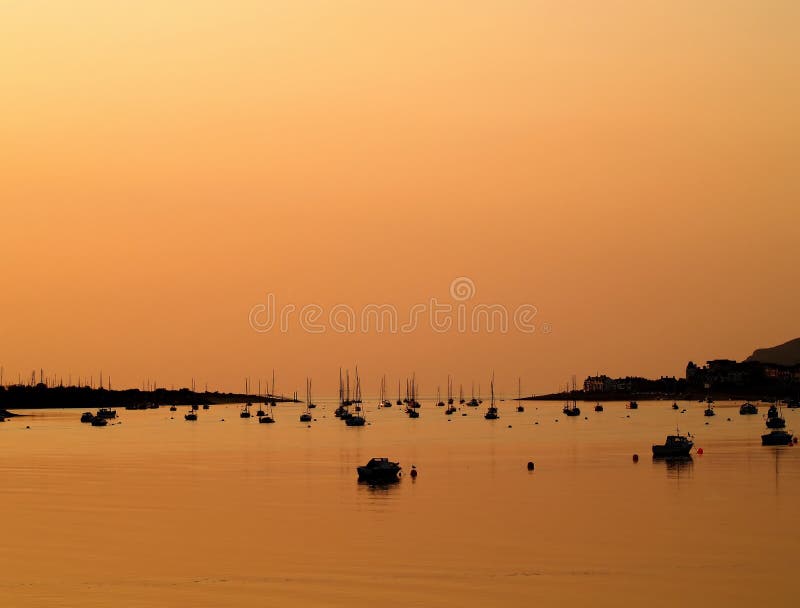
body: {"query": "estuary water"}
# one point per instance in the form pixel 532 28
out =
pixel 157 511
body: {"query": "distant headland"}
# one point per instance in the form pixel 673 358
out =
pixel 769 373
pixel 36 396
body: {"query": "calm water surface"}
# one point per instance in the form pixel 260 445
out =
pixel 157 511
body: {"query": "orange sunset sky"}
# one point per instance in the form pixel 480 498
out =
pixel 629 168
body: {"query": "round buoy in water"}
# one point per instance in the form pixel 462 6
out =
pixel 413 472
pixel 700 451
pixel 509 426
pixel 530 465
pixel 636 458
pixel 537 422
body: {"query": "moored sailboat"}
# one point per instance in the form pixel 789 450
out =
pixel 492 412
pixel 383 401
pixel 356 419
pixel 306 416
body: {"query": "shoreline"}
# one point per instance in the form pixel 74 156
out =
pixel 691 396
pixel 18 397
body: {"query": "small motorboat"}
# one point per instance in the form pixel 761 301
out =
pixel 675 446
pixel 106 413
pixel 98 421
pixel 266 419
pixel 412 413
pixel 633 405
pixel 709 411
pixel 451 409
pixel 777 438
pixel 772 412
pixel 172 408
pixel 598 407
pixel 379 470
pixel 674 405
pixel 205 406
pixel 305 417
pixel 87 417
pixel 190 415
pixel 748 409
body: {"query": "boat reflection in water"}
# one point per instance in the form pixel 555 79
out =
pixel 676 466
pixel 378 486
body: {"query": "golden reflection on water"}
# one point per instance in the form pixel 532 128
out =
pixel 157 511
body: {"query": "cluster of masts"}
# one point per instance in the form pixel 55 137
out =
pixel 350 406
pixel 55 380
pixel 410 402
